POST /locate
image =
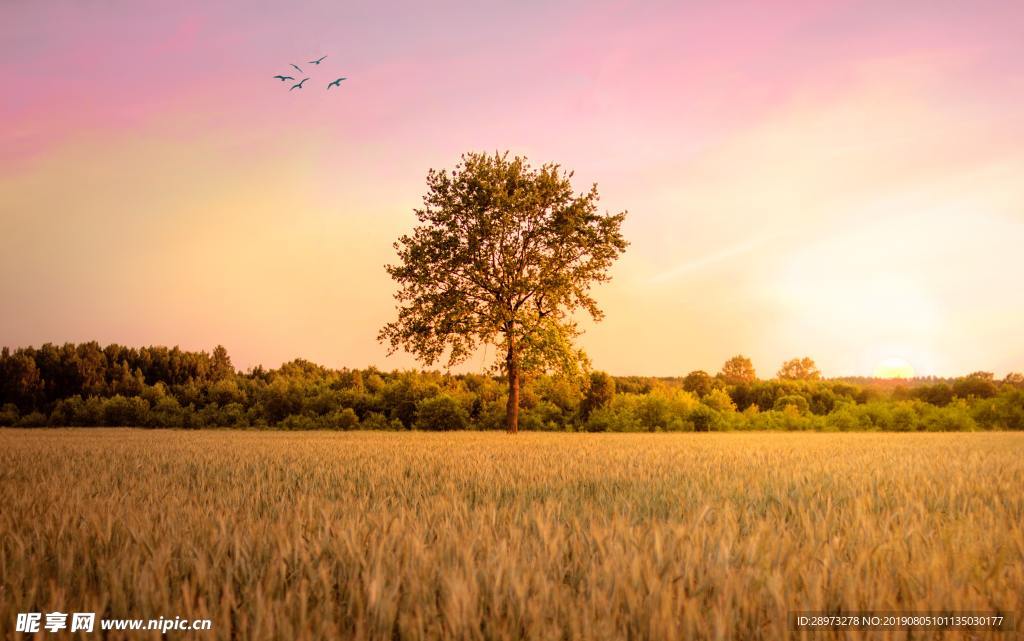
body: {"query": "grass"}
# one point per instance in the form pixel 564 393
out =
pixel 365 535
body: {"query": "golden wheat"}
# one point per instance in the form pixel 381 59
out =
pixel 363 535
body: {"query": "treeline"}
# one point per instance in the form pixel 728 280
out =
pixel 90 385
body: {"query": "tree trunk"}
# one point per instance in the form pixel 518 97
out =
pixel 512 408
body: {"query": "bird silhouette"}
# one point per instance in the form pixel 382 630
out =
pixel 297 67
pixel 317 61
pixel 336 83
pixel 299 84
pixel 283 78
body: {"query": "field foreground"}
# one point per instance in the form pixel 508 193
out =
pixel 278 535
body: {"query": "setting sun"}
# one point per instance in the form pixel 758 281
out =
pixel 894 368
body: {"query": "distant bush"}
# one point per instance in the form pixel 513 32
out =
pixel 955 417
pixel 662 409
pixel 904 418
pixel 792 400
pixel 705 419
pixel 720 401
pixel 601 420
pixel 298 422
pixel 618 417
pixel 66 411
pixel 440 413
pixel 977 385
pixel 599 393
pixel 377 421
pixel 344 419
pixel 9 415
pixel 119 411
pixel 167 412
pixel 844 419
pixel 787 419
pixel 33 419
pixel 548 417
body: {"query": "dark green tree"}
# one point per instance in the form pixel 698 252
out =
pixel 797 401
pixel 599 393
pixel 503 254
pixel 441 413
pixel 221 366
pixel 700 383
pixel 21 381
pixel 976 384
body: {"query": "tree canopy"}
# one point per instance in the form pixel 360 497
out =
pixel 699 382
pixel 799 369
pixel 92 385
pixel 738 370
pixel 503 254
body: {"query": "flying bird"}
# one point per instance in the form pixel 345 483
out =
pixel 317 61
pixel 336 83
pixel 283 78
pixel 297 67
pixel 299 84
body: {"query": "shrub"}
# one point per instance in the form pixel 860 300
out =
pixel 377 421
pixel 120 411
pixel 844 419
pixel 822 401
pixel 599 394
pixel 700 383
pixel 208 416
pixel 226 391
pixel 875 416
pixel 441 413
pixel 33 419
pixel 1011 410
pixel 904 418
pixel 233 415
pixel 545 416
pixel 298 422
pixel 619 417
pixel 67 411
pixel 652 412
pixel 660 409
pixel 9 415
pixel 955 417
pixel 600 420
pixel 791 417
pixel 405 394
pixel 705 419
pixel 792 400
pixel 167 412
pixel 977 385
pixel 91 412
pixel 720 401
pixel 491 415
pixel 343 419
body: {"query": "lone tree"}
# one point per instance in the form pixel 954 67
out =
pixel 738 370
pixel 700 383
pixel 503 255
pixel 799 369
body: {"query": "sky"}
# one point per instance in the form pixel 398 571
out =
pixel 837 179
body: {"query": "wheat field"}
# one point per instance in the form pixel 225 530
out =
pixel 370 535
